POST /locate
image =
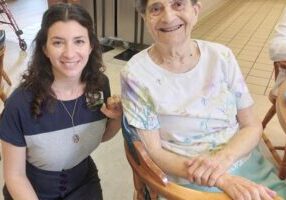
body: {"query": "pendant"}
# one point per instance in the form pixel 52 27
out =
pixel 75 138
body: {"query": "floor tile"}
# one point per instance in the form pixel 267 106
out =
pixel 257 80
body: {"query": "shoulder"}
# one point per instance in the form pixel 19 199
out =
pixel 216 53
pixel 19 97
pixel 137 62
pixel 213 47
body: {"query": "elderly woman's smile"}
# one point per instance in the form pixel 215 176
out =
pixel 171 28
pixel 170 22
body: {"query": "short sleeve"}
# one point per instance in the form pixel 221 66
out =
pixel 236 83
pixel 137 102
pixel 10 123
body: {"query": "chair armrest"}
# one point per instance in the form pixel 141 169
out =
pixel 147 163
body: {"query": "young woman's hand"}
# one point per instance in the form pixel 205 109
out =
pixel 113 108
pixel 239 188
pixel 206 169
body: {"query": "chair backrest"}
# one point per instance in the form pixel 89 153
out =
pixel 278 106
pixel 2 50
pixel 281 113
pixel 147 174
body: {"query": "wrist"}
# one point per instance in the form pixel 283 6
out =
pixel 222 181
pixel 115 118
pixel 227 156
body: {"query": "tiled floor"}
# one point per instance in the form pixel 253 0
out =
pixel 243 25
pixel 246 26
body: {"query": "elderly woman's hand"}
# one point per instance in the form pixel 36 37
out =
pixel 113 108
pixel 206 169
pixel 239 188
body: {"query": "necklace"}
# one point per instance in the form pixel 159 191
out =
pixel 75 136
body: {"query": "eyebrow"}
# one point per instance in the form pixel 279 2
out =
pixel 170 1
pixel 60 38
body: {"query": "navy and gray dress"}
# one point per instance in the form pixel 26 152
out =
pixel 59 165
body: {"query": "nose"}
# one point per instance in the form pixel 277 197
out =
pixel 168 14
pixel 69 51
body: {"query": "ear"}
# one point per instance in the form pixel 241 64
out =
pixel 197 7
pixel 45 51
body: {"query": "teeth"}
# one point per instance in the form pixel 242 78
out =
pixel 69 64
pixel 170 29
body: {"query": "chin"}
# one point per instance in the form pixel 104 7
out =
pixel 173 41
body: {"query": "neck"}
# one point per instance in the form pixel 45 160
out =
pixel 175 52
pixel 176 58
pixel 67 90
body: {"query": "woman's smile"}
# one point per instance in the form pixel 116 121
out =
pixel 70 63
pixel 171 28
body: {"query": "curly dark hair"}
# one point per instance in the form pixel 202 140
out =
pixel 39 76
pixel 141 5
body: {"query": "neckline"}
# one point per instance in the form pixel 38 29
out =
pixel 165 71
pixel 70 100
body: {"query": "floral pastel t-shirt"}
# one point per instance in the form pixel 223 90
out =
pixel 196 110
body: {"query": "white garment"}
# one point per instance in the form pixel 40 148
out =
pixel 195 111
pixel 277 47
pixel 277 50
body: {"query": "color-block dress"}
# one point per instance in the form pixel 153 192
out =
pixel 58 161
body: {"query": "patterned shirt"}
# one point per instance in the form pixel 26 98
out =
pixel 196 110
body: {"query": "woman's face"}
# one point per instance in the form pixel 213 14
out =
pixel 171 21
pixel 68 48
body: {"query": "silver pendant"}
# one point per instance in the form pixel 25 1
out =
pixel 75 138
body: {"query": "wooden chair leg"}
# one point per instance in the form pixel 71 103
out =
pixel 153 195
pixel 139 187
pixel 139 193
pixel 271 112
pixel 271 149
pixel 6 78
pixel 2 95
pixel 282 167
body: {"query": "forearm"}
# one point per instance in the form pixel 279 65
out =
pixel 112 127
pixel 169 162
pixel 243 142
pixel 20 188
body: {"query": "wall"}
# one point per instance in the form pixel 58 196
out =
pixel 126 17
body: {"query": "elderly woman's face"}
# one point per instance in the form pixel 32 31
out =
pixel 171 21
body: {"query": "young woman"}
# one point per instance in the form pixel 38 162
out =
pixel 59 114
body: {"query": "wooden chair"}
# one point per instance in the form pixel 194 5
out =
pixel 51 2
pixel 3 74
pixel 146 174
pixel 269 115
pixel 150 181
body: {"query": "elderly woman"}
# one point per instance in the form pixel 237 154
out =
pixel 192 109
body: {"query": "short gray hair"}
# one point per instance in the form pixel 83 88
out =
pixel 141 5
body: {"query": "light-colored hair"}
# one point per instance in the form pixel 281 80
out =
pixel 141 5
